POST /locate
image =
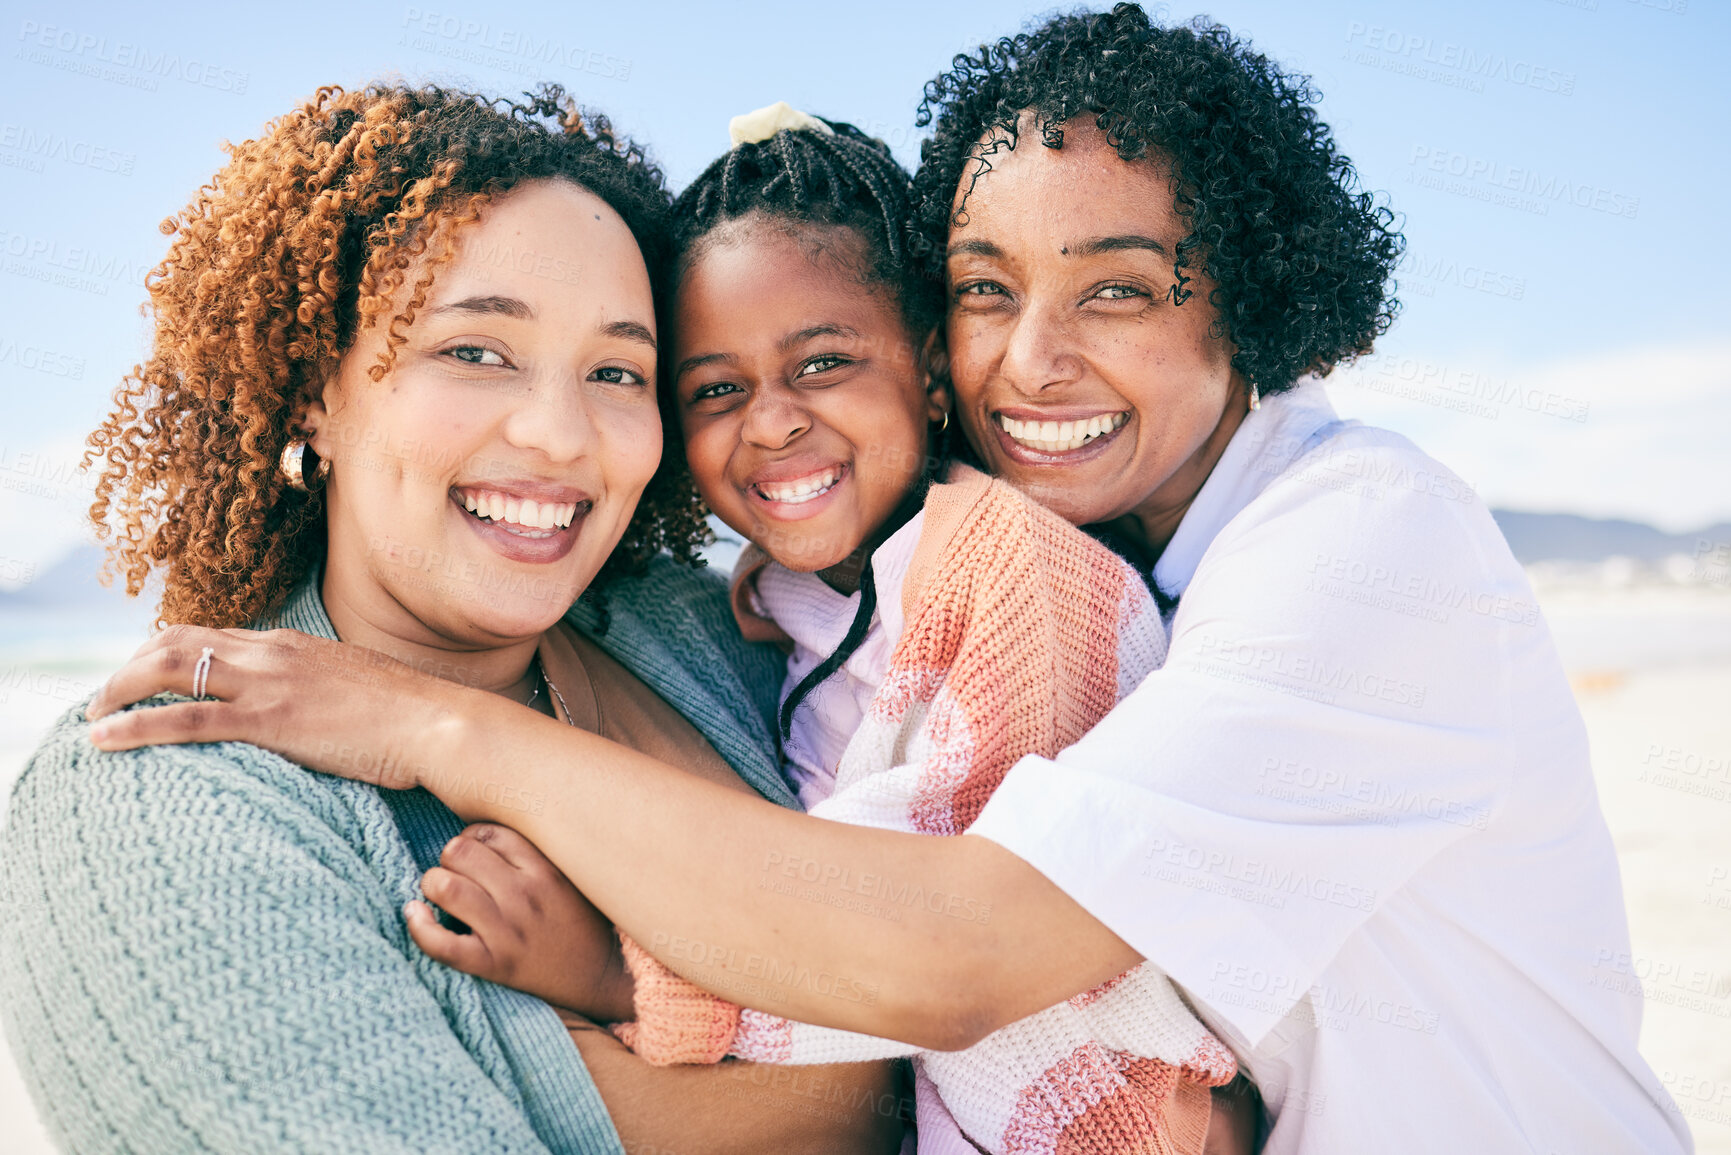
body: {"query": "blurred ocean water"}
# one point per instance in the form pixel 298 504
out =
pixel 52 659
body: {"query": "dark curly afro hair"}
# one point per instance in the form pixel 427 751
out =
pixel 1302 258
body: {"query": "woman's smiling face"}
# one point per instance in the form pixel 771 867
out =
pixel 478 488
pixel 1076 376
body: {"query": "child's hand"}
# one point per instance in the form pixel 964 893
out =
pixel 531 929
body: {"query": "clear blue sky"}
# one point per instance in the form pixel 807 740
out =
pixel 1560 165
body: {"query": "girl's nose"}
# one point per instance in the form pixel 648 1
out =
pixel 774 418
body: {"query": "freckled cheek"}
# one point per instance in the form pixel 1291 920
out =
pixel 972 347
pixel 635 452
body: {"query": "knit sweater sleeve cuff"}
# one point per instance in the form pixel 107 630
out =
pixel 677 1021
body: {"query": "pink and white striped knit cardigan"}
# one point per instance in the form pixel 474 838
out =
pixel 1022 632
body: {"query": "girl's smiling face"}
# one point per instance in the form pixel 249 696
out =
pixel 479 486
pixel 801 393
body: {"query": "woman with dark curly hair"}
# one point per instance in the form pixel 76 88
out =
pixel 402 392
pixel 1352 815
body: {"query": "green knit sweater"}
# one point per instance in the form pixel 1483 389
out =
pixel 204 947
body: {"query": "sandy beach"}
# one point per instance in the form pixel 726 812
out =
pixel 1651 664
pixel 1653 680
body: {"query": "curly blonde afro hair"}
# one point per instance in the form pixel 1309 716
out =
pixel 300 243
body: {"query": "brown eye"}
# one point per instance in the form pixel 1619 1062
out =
pixel 821 364
pixel 476 355
pixel 617 375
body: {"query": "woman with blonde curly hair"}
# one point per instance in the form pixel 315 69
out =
pixel 401 393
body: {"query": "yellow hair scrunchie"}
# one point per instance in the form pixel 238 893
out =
pixel 764 123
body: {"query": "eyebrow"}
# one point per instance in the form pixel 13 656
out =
pixel 974 249
pixel 701 360
pixel 496 306
pixel 630 331
pixel 1126 243
pixel 792 340
pixel 523 311
pixel 1094 247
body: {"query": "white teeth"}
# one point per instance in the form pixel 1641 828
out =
pixel 1061 436
pixel 519 512
pixel 801 491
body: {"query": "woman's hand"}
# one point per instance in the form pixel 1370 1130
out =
pixel 529 927
pixel 328 705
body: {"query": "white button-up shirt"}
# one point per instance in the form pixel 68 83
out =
pixel 1353 815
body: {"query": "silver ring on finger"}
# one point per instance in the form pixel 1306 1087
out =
pixel 201 673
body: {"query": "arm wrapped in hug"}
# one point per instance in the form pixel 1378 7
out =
pixel 1021 634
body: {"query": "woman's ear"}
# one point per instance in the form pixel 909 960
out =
pixel 315 422
pixel 935 358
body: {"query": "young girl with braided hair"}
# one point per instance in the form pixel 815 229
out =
pixel 939 625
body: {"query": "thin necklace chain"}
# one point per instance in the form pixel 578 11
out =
pixel 548 682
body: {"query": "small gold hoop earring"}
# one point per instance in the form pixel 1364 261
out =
pixel 293 466
pixel 944 428
pixel 1255 398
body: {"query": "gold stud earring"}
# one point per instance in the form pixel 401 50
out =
pixel 293 466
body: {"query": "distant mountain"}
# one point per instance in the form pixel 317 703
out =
pixel 70 583
pixel 1570 537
